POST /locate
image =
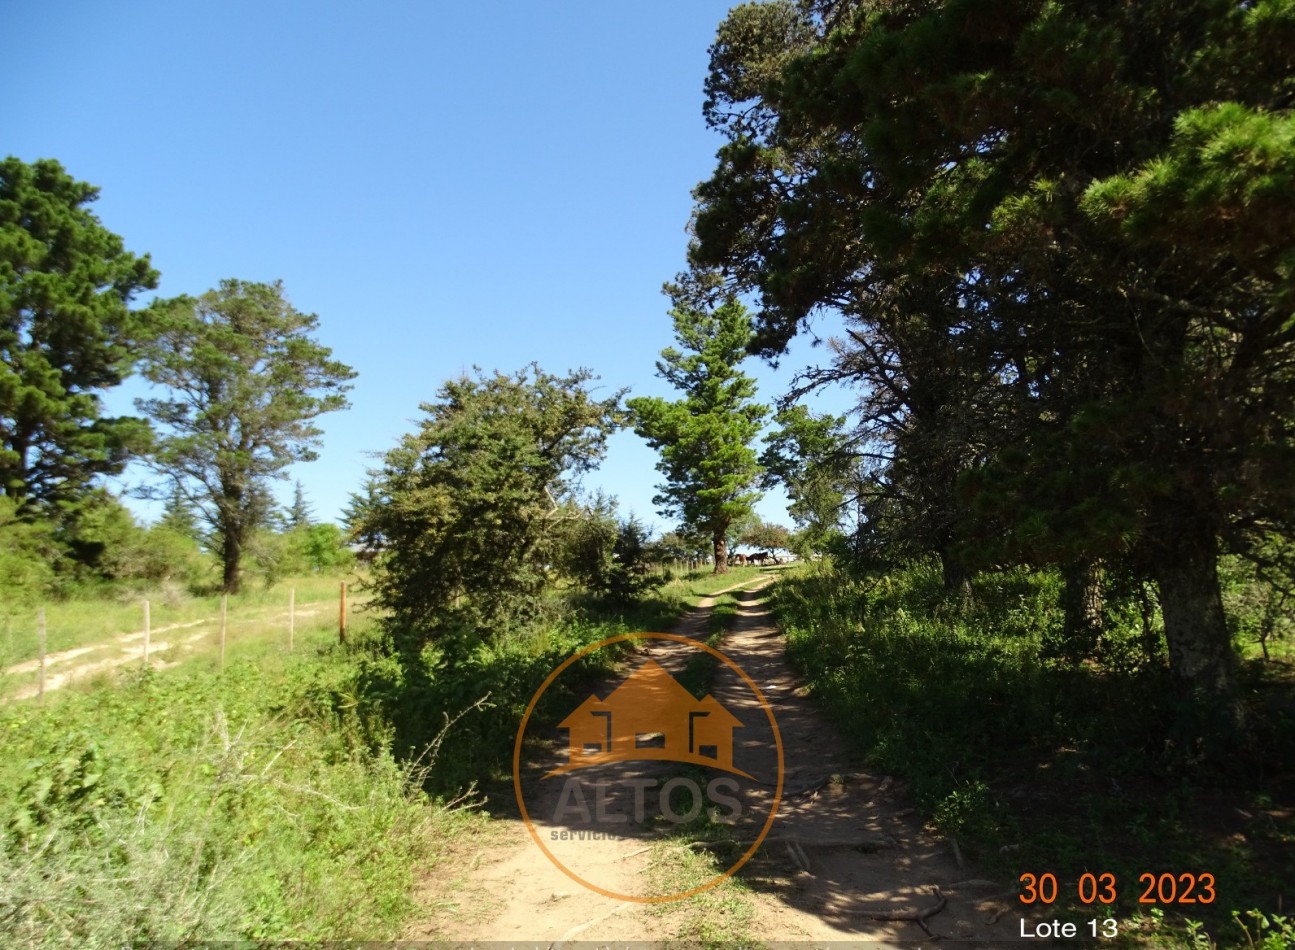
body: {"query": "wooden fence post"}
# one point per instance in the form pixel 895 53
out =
pixel 341 616
pixel 292 616
pixel 224 601
pixel 40 628
pixel 147 633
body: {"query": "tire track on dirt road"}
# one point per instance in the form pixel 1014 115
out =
pixel 844 860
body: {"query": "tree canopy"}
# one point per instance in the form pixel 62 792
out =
pixel 67 333
pixel 1061 233
pixel 470 513
pixel 705 438
pixel 812 457
pixel 246 383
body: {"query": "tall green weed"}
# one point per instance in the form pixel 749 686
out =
pixel 256 805
pixel 1032 760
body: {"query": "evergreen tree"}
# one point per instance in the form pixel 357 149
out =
pixel 705 438
pixel 300 514
pixel 179 515
pixel 1098 199
pixel 247 383
pixel 67 333
pixel 471 512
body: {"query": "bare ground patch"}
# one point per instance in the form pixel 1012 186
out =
pixel 845 859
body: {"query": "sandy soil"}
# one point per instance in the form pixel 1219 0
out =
pixel 80 663
pixel 845 859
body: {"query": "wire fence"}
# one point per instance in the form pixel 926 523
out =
pixel 150 646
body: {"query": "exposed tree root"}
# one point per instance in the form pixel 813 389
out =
pixel 918 917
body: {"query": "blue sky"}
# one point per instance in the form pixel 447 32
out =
pixel 445 185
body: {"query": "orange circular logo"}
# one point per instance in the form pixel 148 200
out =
pixel 645 721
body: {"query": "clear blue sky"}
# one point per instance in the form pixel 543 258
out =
pixel 445 185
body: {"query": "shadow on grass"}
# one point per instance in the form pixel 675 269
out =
pixel 460 698
pixel 1092 767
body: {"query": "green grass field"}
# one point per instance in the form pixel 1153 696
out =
pixel 283 797
pixel 77 622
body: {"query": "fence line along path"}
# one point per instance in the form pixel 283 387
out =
pixel 157 647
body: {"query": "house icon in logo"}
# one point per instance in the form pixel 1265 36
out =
pixel 650 716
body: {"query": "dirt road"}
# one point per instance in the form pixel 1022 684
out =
pixel 65 667
pixel 845 859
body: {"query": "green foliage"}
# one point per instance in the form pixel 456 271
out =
pixel 324 548
pixel 101 538
pixel 300 514
pixel 1258 599
pixel 766 536
pixel 811 456
pixel 254 805
pixel 610 557
pixel 96 544
pixel 27 552
pixel 1007 750
pixel 247 382
pixel 1264 932
pixel 1065 259
pixel 66 334
pixel 683 545
pixel 178 514
pixel 489 682
pixel 314 549
pixel 704 439
pixel 470 513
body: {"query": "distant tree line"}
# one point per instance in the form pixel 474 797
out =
pixel 473 521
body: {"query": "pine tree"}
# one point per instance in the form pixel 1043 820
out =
pixel 67 333
pixel 705 438
pixel 300 514
pixel 247 382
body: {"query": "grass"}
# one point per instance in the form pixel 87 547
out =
pixel 701 584
pixel 257 804
pixel 719 917
pixel 78 622
pixel 1038 765
pixel 283 797
pixel 256 625
pixel 494 682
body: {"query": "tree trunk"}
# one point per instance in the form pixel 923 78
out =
pixel 957 580
pixel 1082 604
pixel 1200 648
pixel 231 552
pixel 721 554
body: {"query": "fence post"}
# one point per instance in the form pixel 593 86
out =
pixel 292 616
pixel 224 600
pixel 341 616
pixel 147 633
pixel 40 628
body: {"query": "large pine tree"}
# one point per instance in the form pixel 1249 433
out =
pixel 246 383
pixel 67 333
pixel 706 437
pixel 1103 197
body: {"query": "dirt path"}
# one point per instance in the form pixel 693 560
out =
pixel 845 859
pixel 65 667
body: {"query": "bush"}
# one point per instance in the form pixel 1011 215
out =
pixel 613 559
pixel 1005 748
pixel 27 552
